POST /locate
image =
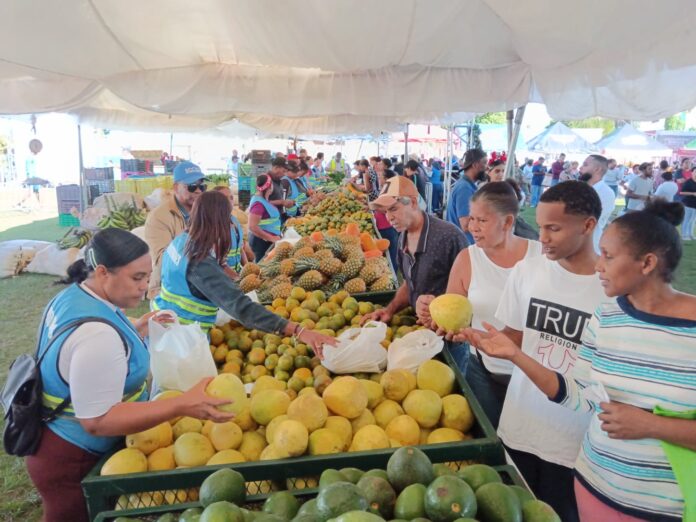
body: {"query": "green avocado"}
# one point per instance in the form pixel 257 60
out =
pixel 448 498
pixel 498 503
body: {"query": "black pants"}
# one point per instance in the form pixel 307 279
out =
pixel 549 482
pixel 259 246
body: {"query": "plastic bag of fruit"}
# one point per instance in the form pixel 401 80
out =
pixel 358 350
pixel 409 351
pixel 179 355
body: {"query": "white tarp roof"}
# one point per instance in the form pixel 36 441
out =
pixel 322 65
pixel 628 142
pixel 559 138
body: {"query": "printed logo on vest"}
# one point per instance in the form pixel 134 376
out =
pixel 560 328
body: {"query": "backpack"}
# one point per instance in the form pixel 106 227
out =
pixel 22 393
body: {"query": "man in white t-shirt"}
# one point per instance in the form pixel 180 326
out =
pixel 545 306
pixel 640 187
pixel 594 171
pixel 668 188
pixel 613 176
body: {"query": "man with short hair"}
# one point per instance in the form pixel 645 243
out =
pixel 338 164
pixel 592 172
pixel 473 170
pixel 538 175
pixel 171 217
pixel 557 168
pixel 413 171
pixel 427 247
pixel 640 188
pixel 613 176
pixel 281 187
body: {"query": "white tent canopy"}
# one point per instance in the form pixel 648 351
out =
pixel 626 142
pixel 559 138
pixel 343 65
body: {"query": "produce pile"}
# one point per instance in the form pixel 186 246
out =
pixel 251 354
pixel 333 213
pixel 126 216
pixel 350 261
pixel 74 238
pixel 411 488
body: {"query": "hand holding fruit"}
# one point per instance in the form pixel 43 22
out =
pixel 423 309
pixel 316 341
pixel 198 404
pixel 383 315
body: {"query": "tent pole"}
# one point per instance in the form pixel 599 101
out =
pixel 171 144
pixel 448 168
pixel 510 164
pixel 406 145
pixel 509 116
pixel 83 198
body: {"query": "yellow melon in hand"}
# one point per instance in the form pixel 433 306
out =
pixel 451 312
pixel 228 386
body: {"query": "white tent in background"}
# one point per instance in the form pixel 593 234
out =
pixel 626 143
pixel 558 138
pixel 361 63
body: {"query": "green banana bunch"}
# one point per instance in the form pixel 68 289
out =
pixel 126 216
pixel 74 238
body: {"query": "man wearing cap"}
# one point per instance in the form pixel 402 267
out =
pixel 427 246
pixel 281 187
pixel 170 218
pixel 473 170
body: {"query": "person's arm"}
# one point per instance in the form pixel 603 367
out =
pixel 255 229
pixel 158 235
pixel 287 203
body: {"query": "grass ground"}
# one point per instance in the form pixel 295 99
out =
pixel 25 297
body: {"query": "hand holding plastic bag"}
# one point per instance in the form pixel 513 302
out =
pixel 179 355
pixel 358 350
pixel 412 349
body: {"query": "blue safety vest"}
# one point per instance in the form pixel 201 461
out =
pixel 234 256
pixel 70 305
pixel 272 223
pixel 175 293
pixel 297 195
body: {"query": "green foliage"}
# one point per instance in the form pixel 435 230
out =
pixel 492 117
pixel 476 137
pixel 593 123
pixel 675 122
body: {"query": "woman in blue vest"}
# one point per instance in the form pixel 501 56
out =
pixel 97 360
pixel 236 257
pixel 264 218
pixel 195 285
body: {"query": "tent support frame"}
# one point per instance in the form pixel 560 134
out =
pixel 512 144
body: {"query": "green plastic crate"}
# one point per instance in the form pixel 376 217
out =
pixel 101 493
pixel 68 220
pixel 508 473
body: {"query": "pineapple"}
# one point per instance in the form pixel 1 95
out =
pixel 352 266
pixel 249 283
pixel 283 250
pixel 270 270
pixel 324 253
pixel 303 252
pixel 311 280
pixel 287 267
pixel 281 291
pixel 330 266
pixel 302 243
pixel 371 272
pixel 382 284
pixel 249 268
pixel 333 244
pixel 355 286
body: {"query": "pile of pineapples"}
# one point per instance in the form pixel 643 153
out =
pixel 332 264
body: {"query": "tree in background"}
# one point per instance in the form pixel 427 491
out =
pixel 495 118
pixel 606 125
pixel 475 142
pixel 677 122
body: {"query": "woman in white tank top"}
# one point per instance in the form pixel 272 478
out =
pixel 480 273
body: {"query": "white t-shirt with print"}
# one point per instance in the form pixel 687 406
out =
pixel 551 306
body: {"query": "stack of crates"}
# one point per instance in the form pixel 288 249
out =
pixel 246 182
pixel 144 186
pixel 136 167
pixel 100 181
pixel 69 198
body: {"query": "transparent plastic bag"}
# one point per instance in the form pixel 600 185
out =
pixel 358 350
pixel 412 349
pixel 179 355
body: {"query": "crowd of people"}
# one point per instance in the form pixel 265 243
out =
pixel 581 353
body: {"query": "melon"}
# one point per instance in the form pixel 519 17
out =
pixel 451 312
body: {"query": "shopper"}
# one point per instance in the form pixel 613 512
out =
pixel 480 273
pixel 668 189
pixel 264 218
pixel 169 219
pixel 496 170
pixel 592 171
pixel 556 168
pixel 415 173
pixel 545 305
pixel 473 170
pixel 683 174
pixel 436 180
pixel 639 348
pixel 294 188
pixel 427 246
pixel 280 195
pixel 613 176
pixel 688 199
pixel 386 231
pixel 628 176
pixel 640 187
pixel 538 175
pixel 101 366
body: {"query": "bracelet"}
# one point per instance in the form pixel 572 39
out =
pixel 298 332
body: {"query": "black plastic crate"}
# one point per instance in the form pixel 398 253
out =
pixel 98 173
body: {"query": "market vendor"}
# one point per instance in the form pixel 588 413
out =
pixel 280 195
pixel 236 257
pixel 427 246
pixel 170 218
pixel 100 364
pixel 195 285
pixel 264 218
pixel 296 188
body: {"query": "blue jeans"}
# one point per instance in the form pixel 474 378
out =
pixel 393 236
pixel 460 354
pixel 555 181
pixel 489 392
pixel 437 198
pixel 615 189
pixel 536 194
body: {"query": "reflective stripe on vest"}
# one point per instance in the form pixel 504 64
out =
pixel 272 223
pixel 52 402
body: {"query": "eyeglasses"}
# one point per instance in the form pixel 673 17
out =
pixel 192 187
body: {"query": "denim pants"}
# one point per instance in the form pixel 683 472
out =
pixel 460 354
pixel 488 391
pixel 687 228
pixel 536 194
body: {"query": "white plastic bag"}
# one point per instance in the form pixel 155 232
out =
pixel 358 350
pixel 179 355
pixel 291 235
pixel 223 317
pixel 412 349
